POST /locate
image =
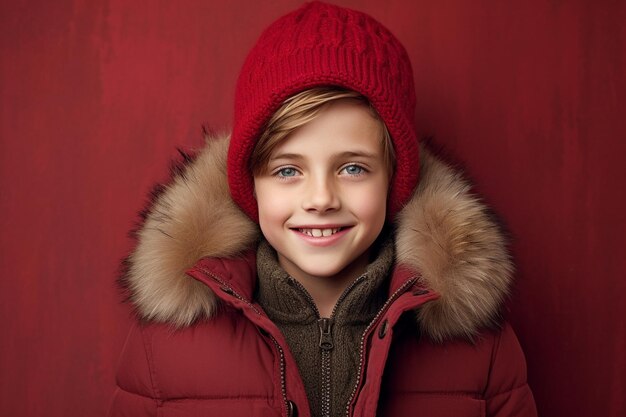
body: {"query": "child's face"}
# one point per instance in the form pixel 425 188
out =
pixel 322 200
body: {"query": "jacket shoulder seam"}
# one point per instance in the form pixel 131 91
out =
pixel 495 347
pixel 147 343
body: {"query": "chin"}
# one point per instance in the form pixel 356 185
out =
pixel 322 272
pixel 326 271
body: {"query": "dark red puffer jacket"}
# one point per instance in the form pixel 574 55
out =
pixel 205 348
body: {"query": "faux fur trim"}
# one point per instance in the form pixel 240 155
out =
pixel 444 233
pixel 448 235
pixel 191 218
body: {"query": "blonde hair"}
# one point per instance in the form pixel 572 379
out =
pixel 302 108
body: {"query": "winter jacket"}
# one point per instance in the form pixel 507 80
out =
pixel 203 347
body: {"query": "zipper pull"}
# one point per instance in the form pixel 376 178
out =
pixel 326 338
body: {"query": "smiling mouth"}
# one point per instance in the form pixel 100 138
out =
pixel 320 232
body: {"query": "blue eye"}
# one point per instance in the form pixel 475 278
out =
pixel 287 172
pixel 353 170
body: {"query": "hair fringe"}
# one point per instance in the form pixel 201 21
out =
pixel 302 108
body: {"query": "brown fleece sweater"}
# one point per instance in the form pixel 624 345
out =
pixel 329 377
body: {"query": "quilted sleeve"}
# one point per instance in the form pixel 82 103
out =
pixel 134 395
pixel 508 393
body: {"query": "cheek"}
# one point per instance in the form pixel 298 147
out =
pixel 273 207
pixel 268 199
pixel 374 209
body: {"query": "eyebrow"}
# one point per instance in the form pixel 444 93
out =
pixel 286 156
pixel 346 154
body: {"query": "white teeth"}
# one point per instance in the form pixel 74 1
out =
pixel 319 232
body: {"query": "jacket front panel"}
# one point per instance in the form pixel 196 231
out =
pixel 487 377
pixel 214 368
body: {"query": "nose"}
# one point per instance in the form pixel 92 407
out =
pixel 321 195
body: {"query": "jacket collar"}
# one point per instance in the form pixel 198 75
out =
pixel 444 234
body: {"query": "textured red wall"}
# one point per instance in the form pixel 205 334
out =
pixel 96 95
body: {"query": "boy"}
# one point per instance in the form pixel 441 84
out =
pixel 363 294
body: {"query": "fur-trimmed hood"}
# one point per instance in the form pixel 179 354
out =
pixel 444 233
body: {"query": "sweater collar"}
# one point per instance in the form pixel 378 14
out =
pixel 287 301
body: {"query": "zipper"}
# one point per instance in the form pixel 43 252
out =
pixel 326 340
pixel 326 345
pixel 283 384
pixel 391 299
pixel 281 353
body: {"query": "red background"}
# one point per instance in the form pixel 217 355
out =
pixel 529 97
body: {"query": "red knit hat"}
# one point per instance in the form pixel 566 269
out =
pixel 324 45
